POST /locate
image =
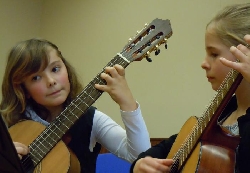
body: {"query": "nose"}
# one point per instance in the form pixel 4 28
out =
pixel 205 65
pixel 50 81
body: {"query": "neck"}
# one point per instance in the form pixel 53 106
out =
pixel 243 102
pixel 243 98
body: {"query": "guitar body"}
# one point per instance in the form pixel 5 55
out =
pixel 60 159
pixel 206 157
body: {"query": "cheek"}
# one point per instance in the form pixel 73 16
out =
pixel 36 92
pixel 64 80
pixel 223 71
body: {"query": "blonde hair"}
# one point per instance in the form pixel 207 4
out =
pixel 24 59
pixel 232 23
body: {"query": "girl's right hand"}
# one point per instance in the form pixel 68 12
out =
pixel 149 164
pixel 21 149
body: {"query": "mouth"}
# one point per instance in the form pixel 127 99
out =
pixel 210 78
pixel 54 93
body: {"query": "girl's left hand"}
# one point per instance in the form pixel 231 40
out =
pixel 242 53
pixel 117 87
pixel 21 149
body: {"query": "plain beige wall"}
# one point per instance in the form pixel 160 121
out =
pixel 89 33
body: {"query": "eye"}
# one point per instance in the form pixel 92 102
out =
pixel 35 78
pixel 214 55
pixel 55 69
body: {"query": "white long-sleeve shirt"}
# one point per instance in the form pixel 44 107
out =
pixel 127 144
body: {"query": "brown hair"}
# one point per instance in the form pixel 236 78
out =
pixel 24 59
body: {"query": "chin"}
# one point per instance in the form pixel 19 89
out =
pixel 58 102
pixel 215 87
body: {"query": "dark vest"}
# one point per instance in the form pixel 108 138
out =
pixel 80 138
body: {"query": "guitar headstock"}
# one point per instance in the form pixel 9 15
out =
pixel 148 40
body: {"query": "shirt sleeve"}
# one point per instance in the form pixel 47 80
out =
pixel 126 143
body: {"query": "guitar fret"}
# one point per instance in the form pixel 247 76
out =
pixel 59 130
pixel 53 141
pixel 36 156
pixel 32 155
pixel 64 124
pixel 73 115
pixel 76 106
pixel 68 120
pixel 49 143
pixel 40 149
pixel 51 132
pixel 100 81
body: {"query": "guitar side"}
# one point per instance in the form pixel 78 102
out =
pixel 60 159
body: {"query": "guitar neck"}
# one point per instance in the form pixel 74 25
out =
pixel 54 132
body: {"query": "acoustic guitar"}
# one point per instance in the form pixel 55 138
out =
pixel 48 153
pixel 201 145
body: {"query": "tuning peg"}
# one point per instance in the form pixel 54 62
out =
pixel 157 51
pixel 148 59
pixel 130 39
pixel 165 41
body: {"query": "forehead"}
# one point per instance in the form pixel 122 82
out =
pixel 212 41
pixel 53 55
pixel 39 60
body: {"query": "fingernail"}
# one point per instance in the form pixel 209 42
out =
pixel 232 48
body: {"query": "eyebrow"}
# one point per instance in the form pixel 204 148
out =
pixel 54 62
pixel 211 48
